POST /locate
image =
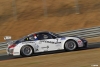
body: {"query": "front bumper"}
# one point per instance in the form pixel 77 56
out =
pixel 85 43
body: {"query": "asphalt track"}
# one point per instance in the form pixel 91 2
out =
pixel 90 46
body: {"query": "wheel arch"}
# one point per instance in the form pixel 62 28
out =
pixel 27 45
pixel 70 40
pixel 31 47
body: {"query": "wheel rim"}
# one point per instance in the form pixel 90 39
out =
pixel 70 45
pixel 27 50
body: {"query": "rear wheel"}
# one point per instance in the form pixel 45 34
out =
pixel 70 45
pixel 26 51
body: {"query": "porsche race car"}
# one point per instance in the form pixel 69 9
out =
pixel 44 41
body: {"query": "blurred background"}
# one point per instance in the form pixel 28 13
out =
pixel 21 17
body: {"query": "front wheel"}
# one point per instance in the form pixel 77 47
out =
pixel 70 45
pixel 26 51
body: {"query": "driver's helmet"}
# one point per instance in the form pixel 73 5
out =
pixel 35 37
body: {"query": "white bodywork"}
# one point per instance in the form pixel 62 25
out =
pixel 45 45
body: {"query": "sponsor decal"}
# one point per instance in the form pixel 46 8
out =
pixel 37 46
pixel 16 52
pixel 37 49
pixel 45 47
pixel 63 38
pixel 51 42
pixel 28 42
pixel 79 42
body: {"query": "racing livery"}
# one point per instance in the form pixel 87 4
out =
pixel 44 41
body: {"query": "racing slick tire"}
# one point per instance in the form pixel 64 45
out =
pixel 70 45
pixel 26 51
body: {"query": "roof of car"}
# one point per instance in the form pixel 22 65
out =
pixel 39 32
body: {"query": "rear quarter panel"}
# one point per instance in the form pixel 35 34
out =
pixel 20 45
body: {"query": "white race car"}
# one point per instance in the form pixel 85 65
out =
pixel 44 41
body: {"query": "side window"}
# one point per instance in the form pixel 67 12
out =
pixel 42 36
pixel 46 36
pixel 39 36
pixel 30 38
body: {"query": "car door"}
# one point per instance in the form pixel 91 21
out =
pixel 53 44
pixel 41 43
pixel 48 42
pixel 37 41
